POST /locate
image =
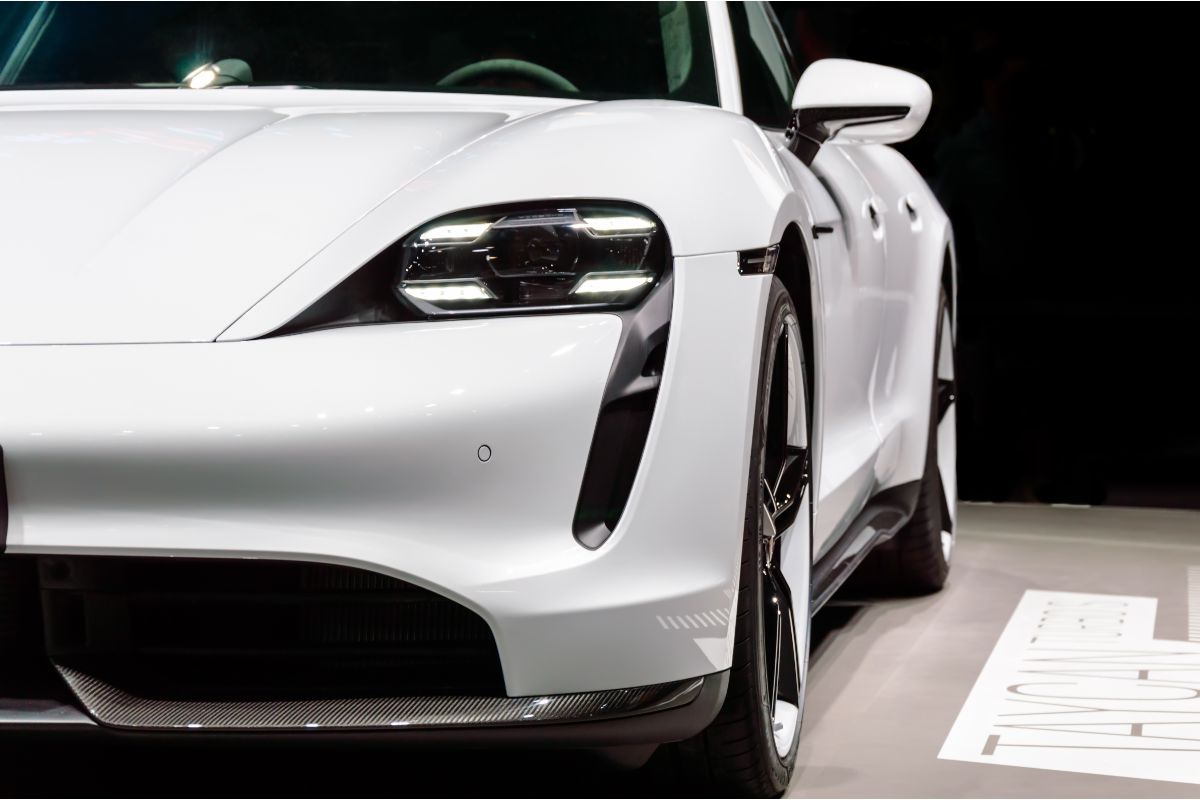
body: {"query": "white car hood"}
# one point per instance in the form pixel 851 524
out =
pixel 162 216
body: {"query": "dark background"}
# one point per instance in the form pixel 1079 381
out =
pixel 1061 144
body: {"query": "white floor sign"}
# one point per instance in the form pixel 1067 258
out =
pixel 1078 683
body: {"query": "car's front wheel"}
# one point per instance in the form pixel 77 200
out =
pixel 750 749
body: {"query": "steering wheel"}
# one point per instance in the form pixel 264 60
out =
pixel 509 68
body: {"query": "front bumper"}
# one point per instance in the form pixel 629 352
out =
pixel 360 446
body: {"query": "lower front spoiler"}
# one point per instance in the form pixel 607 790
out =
pixel 644 715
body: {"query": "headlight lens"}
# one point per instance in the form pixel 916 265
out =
pixel 532 258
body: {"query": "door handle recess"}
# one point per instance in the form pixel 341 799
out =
pixel 873 213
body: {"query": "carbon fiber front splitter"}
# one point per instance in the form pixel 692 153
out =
pixel 652 714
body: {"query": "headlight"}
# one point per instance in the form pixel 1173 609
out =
pixel 521 259
pixel 512 260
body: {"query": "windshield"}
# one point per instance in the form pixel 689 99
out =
pixel 584 50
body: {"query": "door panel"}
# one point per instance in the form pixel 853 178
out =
pixel 903 216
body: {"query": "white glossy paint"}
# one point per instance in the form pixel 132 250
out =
pixel 915 252
pixel 196 222
pixel 185 214
pixel 842 83
pixel 145 220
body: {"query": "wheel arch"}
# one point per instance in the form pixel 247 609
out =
pixel 797 270
pixel 794 270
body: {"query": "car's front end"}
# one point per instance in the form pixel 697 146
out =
pixel 453 502
pixel 451 455
pixel 412 412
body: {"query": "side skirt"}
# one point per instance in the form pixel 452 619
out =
pixel 883 516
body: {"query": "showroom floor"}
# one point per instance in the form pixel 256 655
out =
pixel 888 678
pixel 888 681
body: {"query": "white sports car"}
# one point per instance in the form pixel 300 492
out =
pixel 467 373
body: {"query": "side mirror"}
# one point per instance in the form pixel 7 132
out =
pixel 853 102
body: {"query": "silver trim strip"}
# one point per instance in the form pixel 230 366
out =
pixel 116 708
pixel 758 262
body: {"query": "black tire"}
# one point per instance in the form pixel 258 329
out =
pixel 913 562
pixel 736 756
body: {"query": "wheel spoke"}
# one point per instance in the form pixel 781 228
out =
pixel 789 486
pixel 773 691
pixel 787 668
pixel 769 503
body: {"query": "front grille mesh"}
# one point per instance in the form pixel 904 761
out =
pixel 115 707
pixel 24 669
pixel 20 616
pixel 249 629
